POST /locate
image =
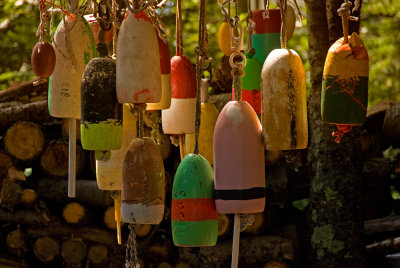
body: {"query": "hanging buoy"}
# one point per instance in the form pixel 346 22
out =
pixel 344 96
pixel 179 118
pixel 284 105
pixel 239 160
pixel 43 59
pixel 266 36
pixel 224 38
pixel 194 220
pixel 143 183
pixel 95 26
pixel 109 165
pixel 72 57
pixel 165 63
pixel 101 120
pixel 208 118
pixel 138 63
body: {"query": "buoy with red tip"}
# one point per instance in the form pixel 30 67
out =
pixel 208 119
pixel 74 43
pixel 143 183
pixel 138 63
pixel 165 63
pixel 95 26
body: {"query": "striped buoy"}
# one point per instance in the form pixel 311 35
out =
pixel 143 183
pixel 239 160
pixel 72 57
pixel 138 63
pixel 101 120
pixel 165 63
pixel 179 118
pixel 109 165
pixel 194 219
pixel 344 96
pixel 284 105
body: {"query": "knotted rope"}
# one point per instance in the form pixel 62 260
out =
pixel 344 12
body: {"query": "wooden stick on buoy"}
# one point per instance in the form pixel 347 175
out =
pixel 235 242
pixel 117 210
pixel 72 158
pixel 179 52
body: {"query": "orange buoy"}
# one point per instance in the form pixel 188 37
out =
pixel 138 63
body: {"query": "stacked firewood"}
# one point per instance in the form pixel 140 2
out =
pixel 41 226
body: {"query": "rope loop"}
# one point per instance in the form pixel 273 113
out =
pixel 344 12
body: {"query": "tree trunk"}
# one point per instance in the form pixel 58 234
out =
pixel 335 185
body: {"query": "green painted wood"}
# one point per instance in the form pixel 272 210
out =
pixel 195 234
pixel 251 79
pixel 102 135
pixel 264 44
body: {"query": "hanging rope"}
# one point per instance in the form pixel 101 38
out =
pixel 201 52
pixel 131 260
pixel 138 109
pixel 179 41
pixel 283 8
pixel 251 25
pixel 344 12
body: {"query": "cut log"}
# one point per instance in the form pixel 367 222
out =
pixel 376 115
pixel 109 219
pixel 23 216
pixel 87 192
pixel 65 128
pixel 73 251
pixel 22 89
pixel 10 195
pixel 46 249
pixel 9 262
pixel 253 250
pixel 256 227
pixel 391 125
pixel 142 230
pixel 15 174
pixel 384 247
pixel 24 140
pixel 224 226
pixel 6 162
pixel 74 213
pixel 164 265
pixel 54 160
pixel 381 225
pixel 28 197
pixel 182 265
pixel 32 112
pixel 98 254
pixel 16 242
pixel 275 264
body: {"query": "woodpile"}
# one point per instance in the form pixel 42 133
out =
pixel 42 226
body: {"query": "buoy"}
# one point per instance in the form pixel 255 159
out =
pixel 101 120
pixel 194 219
pixel 284 105
pixel 109 165
pixel 143 183
pixel 239 160
pixel 224 38
pixel 43 59
pixel 165 63
pixel 138 64
pixel 266 36
pixel 72 57
pixel 95 26
pixel 344 96
pixel 208 118
pixel 179 118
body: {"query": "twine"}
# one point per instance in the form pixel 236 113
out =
pixel 344 12
pixel 283 8
pixel 138 109
pixel 251 25
pixel 179 41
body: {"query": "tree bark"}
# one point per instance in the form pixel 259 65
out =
pixel 335 185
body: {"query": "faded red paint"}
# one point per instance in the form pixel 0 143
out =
pixel 253 97
pixel 165 56
pixel 267 25
pixel 142 16
pixel 144 95
pixel 193 209
pixel 183 78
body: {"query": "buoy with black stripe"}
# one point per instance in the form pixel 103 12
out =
pixel 101 120
pixel 239 160
pixel 143 183
pixel 194 219
pixel 138 63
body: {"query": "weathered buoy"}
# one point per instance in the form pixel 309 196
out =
pixel 72 57
pixel 284 105
pixel 109 165
pixel 165 63
pixel 138 63
pixel 143 183
pixel 208 118
pixel 101 120
pixel 95 26
pixel 224 38
pixel 43 59
pixel 344 96
pixel 194 219
pixel 239 160
pixel 266 36
pixel 180 117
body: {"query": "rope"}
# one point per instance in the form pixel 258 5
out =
pixel 251 25
pixel 137 7
pixel 154 120
pixel 344 12
pixel 342 129
pixel 131 260
pixel 266 11
pixel 201 52
pixel 179 41
pixel 138 109
pixel 283 8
